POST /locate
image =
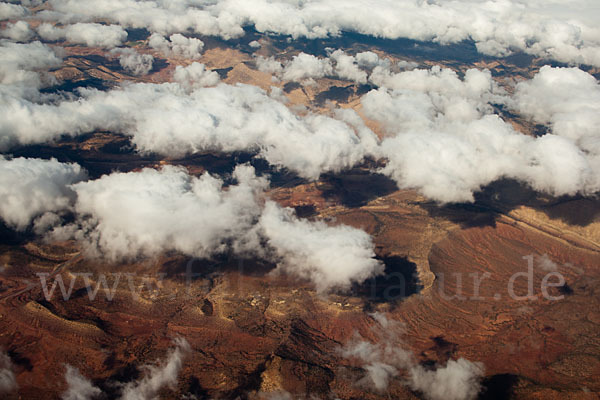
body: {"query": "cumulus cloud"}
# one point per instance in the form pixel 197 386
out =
pixel 195 76
pixel 31 187
pixel 347 67
pixel 409 65
pixel 177 46
pixel 126 215
pixel 78 386
pixel 158 376
pixel 89 34
pixel 458 380
pixel 329 256
pixel 367 59
pixel 134 62
pixel 8 381
pixel 306 66
pixel 164 17
pixel 19 65
pixel 269 65
pixel 168 120
pixel 301 67
pixel 567 99
pixel 443 136
pixel 146 388
pixel 445 140
pixel 386 360
pixel 232 118
pixel 381 361
pixel 16 56
pixel 565 32
pixel 18 31
pixel 11 11
pixel 131 214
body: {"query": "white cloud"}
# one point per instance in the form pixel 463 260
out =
pixel 31 187
pixel 306 66
pixel 367 59
pixel 445 141
pixel 195 76
pixel 451 163
pixel 268 64
pixel 328 256
pixel 158 376
pixel 125 215
pixel 50 32
pixel 177 46
pixel 232 118
pixel 18 66
pixel 146 388
pixel 459 98
pixel 385 359
pixel 18 31
pixel 134 62
pixel 11 11
pixel 568 99
pixel 168 120
pixel 382 361
pixel 164 17
pixel 302 67
pixel 443 137
pixel 347 67
pixel 89 34
pixel 78 386
pixel 8 381
pixel 409 65
pixel 457 380
pixel 563 31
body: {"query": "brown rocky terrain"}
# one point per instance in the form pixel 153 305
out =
pixel 253 332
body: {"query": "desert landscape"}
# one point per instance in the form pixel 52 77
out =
pixel 202 200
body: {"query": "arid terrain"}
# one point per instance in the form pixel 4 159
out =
pixel 255 331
